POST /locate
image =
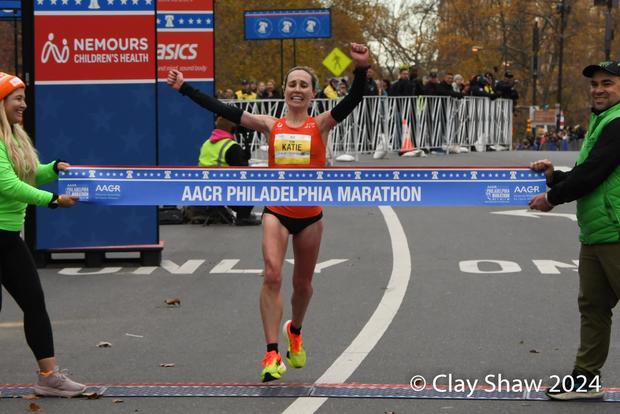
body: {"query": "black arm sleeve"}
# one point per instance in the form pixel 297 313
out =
pixel 558 177
pixel 236 156
pixel 230 112
pixel 349 102
pixel 603 159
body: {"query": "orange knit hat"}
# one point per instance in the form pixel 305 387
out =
pixel 9 83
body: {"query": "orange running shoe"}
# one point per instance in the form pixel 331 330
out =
pixel 273 367
pixel 296 354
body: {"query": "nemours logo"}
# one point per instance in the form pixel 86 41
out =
pixel 97 50
pixel 49 48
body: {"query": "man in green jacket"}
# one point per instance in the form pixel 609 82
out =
pixel 595 183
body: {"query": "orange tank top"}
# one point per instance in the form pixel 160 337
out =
pixel 300 147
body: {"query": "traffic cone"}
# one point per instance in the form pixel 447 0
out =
pixel 407 145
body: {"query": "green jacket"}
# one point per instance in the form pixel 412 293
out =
pixel 15 194
pixel 214 154
pixel 598 213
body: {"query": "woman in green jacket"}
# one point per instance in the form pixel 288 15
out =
pixel 20 172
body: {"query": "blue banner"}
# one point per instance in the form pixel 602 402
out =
pixel 287 24
pixel 10 10
pixel 11 4
pixel 325 187
pixel 10 14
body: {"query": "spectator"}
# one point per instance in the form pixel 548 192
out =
pixel 245 92
pixel 270 90
pixel 491 78
pixel 444 88
pixel 260 90
pixel 331 90
pixel 221 150
pixel 229 94
pixel 458 85
pixel 417 87
pixel 254 87
pixel 343 88
pixel 506 88
pixel 383 86
pixel 432 85
pixel 402 87
pixel 479 86
pixel 370 88
pixel 466 88
pixel 564 137
pixel 524 144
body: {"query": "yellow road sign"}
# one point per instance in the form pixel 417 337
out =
pixel 337 61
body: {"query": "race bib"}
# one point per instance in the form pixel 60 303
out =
pixel 292 149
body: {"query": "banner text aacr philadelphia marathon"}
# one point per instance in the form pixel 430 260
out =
pixel 316 194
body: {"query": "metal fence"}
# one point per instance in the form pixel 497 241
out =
pixel 433 122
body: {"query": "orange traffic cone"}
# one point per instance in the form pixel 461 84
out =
pixel 407 144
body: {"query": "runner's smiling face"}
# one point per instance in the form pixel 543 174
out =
pixel 298 89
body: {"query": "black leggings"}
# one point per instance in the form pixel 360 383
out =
pixel 18 275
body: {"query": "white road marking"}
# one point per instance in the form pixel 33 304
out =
pixel 11 325
pixel 77 271
pixel 227 266
pixel 322 265
pixel 535 214
pixel 371 333
pixel 552 267
pixel 145 270
pixel 499 266
pixel 186 268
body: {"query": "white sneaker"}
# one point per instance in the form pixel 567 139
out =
pixel 58 384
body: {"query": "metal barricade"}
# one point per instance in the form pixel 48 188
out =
pixel 435 122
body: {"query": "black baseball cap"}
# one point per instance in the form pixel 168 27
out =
pixel 610 66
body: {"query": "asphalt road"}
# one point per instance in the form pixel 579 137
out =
pixel 485 294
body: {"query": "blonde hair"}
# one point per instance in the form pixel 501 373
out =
pixel 19 148
pixel 308 70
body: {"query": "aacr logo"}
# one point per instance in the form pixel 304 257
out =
pixel 110 188
pixel 527 189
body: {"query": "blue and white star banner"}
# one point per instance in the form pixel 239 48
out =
pixel 325 187
pixel 93 6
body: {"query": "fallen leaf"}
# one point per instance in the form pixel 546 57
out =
pixel 117 401
pixel 166 365
pixel 173 302
pixel 91 395
pixel 533 351
pixel 33 408
pixel 30 397
pixel 104 344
